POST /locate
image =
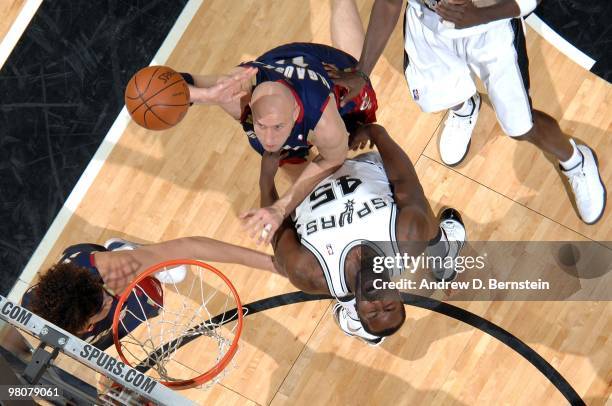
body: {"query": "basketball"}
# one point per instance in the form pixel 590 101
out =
pixel 157 97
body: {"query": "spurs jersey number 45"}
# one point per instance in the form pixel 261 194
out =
pixel 350 207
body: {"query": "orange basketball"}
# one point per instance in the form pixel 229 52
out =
pixel 157 97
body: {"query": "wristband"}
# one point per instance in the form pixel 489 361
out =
pixel 526 6
pixel 189 79
pixel 362 75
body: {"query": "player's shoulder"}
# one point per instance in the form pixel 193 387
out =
pixel 306 273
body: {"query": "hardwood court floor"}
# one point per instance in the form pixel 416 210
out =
pixel 196 178
pixel 9 10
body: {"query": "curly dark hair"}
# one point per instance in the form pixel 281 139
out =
pixel 68 296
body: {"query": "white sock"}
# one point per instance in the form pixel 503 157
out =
pixel 466 108
pixel 574 160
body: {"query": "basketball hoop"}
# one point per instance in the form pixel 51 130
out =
pixel 179 328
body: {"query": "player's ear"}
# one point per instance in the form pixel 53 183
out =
pixel 296 111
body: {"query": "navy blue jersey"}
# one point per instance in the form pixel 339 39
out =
pixel 101 335
pixel 299 66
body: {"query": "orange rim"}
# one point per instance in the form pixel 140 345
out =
pixel 215 370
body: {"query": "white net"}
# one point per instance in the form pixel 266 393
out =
pixel 189 332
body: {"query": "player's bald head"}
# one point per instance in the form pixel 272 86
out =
pixel 271 98
pixel 380 309
pixel 274 113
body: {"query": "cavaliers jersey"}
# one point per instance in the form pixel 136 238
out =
pixel 299 66
pixel 352 206
pixel 138 307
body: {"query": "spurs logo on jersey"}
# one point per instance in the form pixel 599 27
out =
pixel 351 207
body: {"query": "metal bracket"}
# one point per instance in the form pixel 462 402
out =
pixel 41 358
pixel 52 337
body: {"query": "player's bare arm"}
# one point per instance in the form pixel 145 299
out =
pixel 383 19
pixel 464 14
pixel 296 262
pixel 330 138
pixel 415 219
pixel 119 268
pixel 291 259
pixel 231 91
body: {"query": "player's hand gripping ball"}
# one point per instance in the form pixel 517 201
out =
pixel 157 97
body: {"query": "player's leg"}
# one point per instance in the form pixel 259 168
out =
pixel 577 161
pixel 347 32
pixel 439 79
pixel 507 80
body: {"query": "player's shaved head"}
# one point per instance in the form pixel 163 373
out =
pixel 381 311
pixel 274 113
pixel 271 98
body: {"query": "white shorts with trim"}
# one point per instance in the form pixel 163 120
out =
pixel 439 68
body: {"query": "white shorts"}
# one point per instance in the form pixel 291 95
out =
pixel 438 68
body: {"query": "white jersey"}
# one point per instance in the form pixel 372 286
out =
pixel 350 207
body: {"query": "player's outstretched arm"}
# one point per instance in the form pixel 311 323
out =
pixel 270 162
pixel 330 138
pixel 415 222
pixel 398 167
pixel 383 19
pixel 230 92
pixel 291 259
pixel 119 268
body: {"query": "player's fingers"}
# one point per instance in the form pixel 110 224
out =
pixel 252 221
pixel 352 93
pixel 347 97
pixel 331 70
pixel 255 228
pixel 271 230
pixel 239 95
pixel 333 74
pixel 247 73
pixel 371 144
pixel 247 214
pixel 264 235
pixel 449 12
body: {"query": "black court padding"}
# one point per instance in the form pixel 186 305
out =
pixel 62 88
pixel 586 25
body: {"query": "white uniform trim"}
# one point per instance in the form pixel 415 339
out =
pixel 351 207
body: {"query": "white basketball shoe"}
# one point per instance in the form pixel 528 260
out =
pixel 169 275
pixel 352 327
pixel 453 232
pixel 589 190
pixel 457 133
